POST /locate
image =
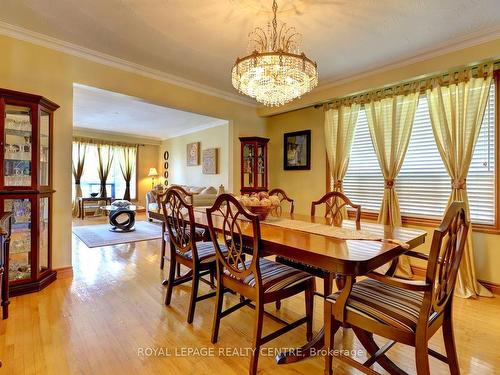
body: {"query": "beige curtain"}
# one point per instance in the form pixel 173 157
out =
pixel 390 121
pixel 340 124
pixel 456 113
pixel 128 158
pixel 105 157
pixel 79 152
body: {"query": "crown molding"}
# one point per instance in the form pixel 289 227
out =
pixel 454 45
pixel 214 124
pixel 115 62
pixel 84 131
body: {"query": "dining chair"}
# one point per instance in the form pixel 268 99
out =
pixel 258 280
pixel 405 311
pixel 185 249
pixel 283 197
pixel 200 233
pixel 334 202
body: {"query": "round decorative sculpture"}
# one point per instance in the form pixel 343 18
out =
pixel 166 155
pixel 122 220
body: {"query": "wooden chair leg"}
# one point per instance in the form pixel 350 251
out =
pixel 217 311
pixel 422 356
pixel 259 321
pixel 328 283
pixel 449 344
pixel 212 277
pixel 178 270
pixel 331 327
pixel 366 339
pixel 309 297
pixel 162 254
pixel 194 294
pixel 171 278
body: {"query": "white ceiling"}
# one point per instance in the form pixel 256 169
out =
pixel 106 111
pixel 198 40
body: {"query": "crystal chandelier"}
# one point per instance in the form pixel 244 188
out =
pixel 275 72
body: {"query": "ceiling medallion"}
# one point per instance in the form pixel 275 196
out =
pixel 275 72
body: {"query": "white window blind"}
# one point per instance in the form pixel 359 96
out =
pixel 423 185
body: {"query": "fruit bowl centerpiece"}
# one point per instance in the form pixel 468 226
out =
pixel 259 203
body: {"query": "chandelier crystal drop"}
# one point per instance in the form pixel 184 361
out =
pixel 275 72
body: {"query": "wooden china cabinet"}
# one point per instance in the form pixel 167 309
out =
pixel 253 164
pixel 26 133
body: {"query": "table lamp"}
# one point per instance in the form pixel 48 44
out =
pixel 152 173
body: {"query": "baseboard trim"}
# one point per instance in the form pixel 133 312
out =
pixel 64 272
pixel 492 287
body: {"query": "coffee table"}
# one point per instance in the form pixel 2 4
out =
pixel 121 219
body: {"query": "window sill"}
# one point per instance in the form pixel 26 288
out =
pixel 428 222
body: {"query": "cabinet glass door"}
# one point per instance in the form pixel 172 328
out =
pixel 248 165
pixel 20 243
pixel 43 175
pixel 43 239
pixel 18 144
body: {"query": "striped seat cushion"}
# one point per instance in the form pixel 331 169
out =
pixel 391 305
pixel 206 252
pixel 275 276
pixel 199 234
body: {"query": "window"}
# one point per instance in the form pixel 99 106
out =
pixel 423 185
pixel 115 183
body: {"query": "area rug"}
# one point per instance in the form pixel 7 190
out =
pixel 100 235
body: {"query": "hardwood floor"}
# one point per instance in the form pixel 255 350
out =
pixel 110 319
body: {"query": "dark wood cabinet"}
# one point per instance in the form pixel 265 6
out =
pixel 253 164
pixel 5 230
pixel 26 133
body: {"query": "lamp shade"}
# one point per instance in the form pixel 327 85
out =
pixel 152 172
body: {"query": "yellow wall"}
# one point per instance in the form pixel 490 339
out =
pixel 31 68
pixel 180 173
pixel 305 186
pixel 391 75
pixel 147 157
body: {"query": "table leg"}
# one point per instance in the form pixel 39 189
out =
pixel 306 351
pixel 318 341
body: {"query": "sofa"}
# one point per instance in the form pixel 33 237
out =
pixel 199 196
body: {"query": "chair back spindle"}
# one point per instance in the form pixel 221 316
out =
pixel 448 243
pixel 283 197
pixel 239 231
pixel 179 217
pixel 335 201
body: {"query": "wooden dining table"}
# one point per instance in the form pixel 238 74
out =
pixel 347 258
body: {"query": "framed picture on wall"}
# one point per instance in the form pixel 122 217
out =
pixel 297 150
pixel 209 163
pixel 193 154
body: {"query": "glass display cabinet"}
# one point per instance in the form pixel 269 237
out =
pixel 253 164
pixel 26 128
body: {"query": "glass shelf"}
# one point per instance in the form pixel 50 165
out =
pixel 18 146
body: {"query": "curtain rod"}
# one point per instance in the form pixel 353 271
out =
pixel 105 142
pixel 422 82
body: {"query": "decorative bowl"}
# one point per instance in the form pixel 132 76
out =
pixel 93 195
pixel 260 211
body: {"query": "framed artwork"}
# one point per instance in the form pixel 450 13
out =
pixel 209 164
pixel 297 150
pixel 193 154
